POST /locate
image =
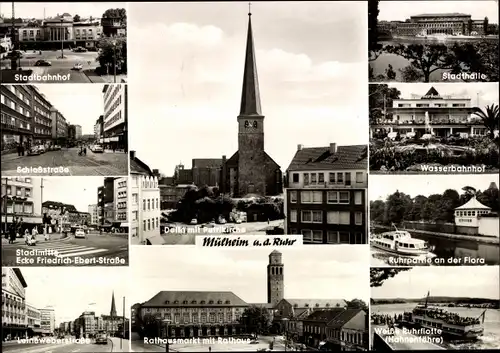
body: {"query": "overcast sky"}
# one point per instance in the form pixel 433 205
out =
pixel 52 9
pixel 76 190
pixel 319 272
pixel 72 290
pixel 400 11
pixel 452 281
pixel 481 94
pixel 81 105
pixel 382 186
pixel 312 72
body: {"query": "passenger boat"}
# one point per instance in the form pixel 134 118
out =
pixel 400 242
pixel 451 324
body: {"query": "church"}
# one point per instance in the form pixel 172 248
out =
pixel 250 171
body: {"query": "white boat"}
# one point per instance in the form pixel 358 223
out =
pixel 401 243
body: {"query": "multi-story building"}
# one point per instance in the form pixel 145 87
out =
pixel 33 317
pixel 432 114
pixel 145 200
pixel 22 201
pixel 78 132
pixel 113 27
pixel 59 127
pixel 61 215
pixel 326 199
pixel 105 203
pixel 48 320
pixel 98 132
pixel 32 34
pixel 71 132
pixel 13 304
pixel 170 195
pixel 86 324
pixel 42 122
pixel 16 116
pixel 94 216
pixel 115 116
pixel 121 202
pixel 87 33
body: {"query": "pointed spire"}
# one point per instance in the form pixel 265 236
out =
pixel 113 306
pixel 250 96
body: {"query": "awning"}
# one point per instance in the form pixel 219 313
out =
pixel 26 219
pixel 40 330
pixel 124 225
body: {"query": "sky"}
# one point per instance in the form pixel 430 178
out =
pixel 400 11
pixel 76 190
pixel 81 105
pixel 36 9
pixel 382 186
pixel 452 281
pixel 311 65
pixel 72 290
pixel 481 94
pixel 332 272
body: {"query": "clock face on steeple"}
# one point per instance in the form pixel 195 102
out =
pixel 251 125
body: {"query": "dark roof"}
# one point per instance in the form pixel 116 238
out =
pixel 344 317
pixel 324 315
pixel 250 95
pixel 317 303
pixel 262 305
pixel 432 93
pixel 441 14
pixel 195 299
pixel 274 252
pixel 20 276
pixel 234 159
pixel 207 163
pixel 320 158
pixel 139 167
pixel 60 205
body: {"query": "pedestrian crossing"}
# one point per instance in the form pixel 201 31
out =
pixel 68 250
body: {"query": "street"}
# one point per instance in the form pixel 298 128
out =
pixel 188 237
pixel 14 347
pixel 107 163
pixel 58 66
pixel 262 343
pixel 106 246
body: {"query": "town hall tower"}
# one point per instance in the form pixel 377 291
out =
pixel 275 278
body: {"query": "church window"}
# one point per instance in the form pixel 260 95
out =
pixel 293 215
pixel 293 196
pixel 295 177
pixel 321 177
pixel 313 178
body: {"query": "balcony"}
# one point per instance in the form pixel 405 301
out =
pixel 15 128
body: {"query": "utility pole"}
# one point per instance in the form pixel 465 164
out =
pixel 41 206
pixel 13 59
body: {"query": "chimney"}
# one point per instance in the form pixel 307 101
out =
pixel 132 154
pixel 299 147
pixel 333 148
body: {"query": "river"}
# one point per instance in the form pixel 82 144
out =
pixel 384 60
pixel 489 340
pixel 446 249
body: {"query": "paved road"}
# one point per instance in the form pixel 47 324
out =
pixel 107 163
pixel 186 234
pixel 70 250
pixel 55 348
pixel 60 66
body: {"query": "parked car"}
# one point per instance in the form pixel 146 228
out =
pixel 80 233
pixel 56 148
pixel 42 149
pixel 101 339
pixel 35 151
pixel 79 50
pixel 194 221
pixel 78 66
pixel 43 63
pixel 98 149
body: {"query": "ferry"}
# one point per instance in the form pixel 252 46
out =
pixel 451 324
pixel 401 243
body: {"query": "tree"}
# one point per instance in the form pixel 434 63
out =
pixel 485 26
pixel 380 98
pixel 380 274
pixel 469 26
pixel 490 118
pixel 398 205
pixel 374 48
pixel 357 304
pixel 113 53
pixel 476 57
pixel 77 18
pixel 255 319
pixel 377 211
pixel 149 326
pixel 424 59
pixel 120 14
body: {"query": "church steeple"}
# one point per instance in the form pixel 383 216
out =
pixel 113 306
pixel 250 96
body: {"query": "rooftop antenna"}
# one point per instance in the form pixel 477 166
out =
pixel 249 8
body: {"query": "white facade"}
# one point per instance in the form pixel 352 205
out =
pixel 30 34
pixel 488 226
pixel 468 214
pixel 48 320
pixel 121 199
pixel 330 179
pixel 114 106
pixel 13 297
pixel 30 209
pixel 145 207
pixel 78 132
pixel 94 216
pixel 33 316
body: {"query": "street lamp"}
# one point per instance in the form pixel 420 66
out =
pixel 166 322
pixel 62 39
pixel 285 320
pixel 114 60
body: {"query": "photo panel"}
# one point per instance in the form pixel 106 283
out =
pixel 422 308
pixel 433 41
pixel 443 128
pixel 281 152
pixel 434 220
pixel 249 299
pixel 65 310
pixel 50 130
pixel 63 43
pixel 60 221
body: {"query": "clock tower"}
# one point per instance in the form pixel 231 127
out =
pixel 252 157
pixel 275 287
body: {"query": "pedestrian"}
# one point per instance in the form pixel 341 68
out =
pixel 26 233
pixel 19 149
pixel 34 231
pixel 85 151
pixel 12 234
pixel 47 236
pixel 209 348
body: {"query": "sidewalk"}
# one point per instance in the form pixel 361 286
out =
pixel 115 344
pixel 12 156
pixel 40 239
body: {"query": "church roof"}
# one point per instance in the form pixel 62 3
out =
pixel 194 299
pixel 317 303
pixel 207 163
pixel 320 158
pixel 343 318
pixel 275 252
pixel 250 95
pixel 473 204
